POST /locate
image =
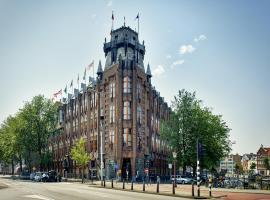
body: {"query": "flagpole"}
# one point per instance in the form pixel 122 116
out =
pixel 93 70
pixel 138 24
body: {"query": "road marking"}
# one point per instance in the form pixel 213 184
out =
pixel 34 196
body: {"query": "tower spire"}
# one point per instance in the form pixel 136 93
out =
pixel 148 71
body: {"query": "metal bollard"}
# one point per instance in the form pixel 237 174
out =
pixel 193 189
pixel 104 182
pixel 112 183
pixel 198 191
pixel 173 188
pixel 123 184
pixel 143 186
pixel 132 185
pixel 158 187
pixel 210 190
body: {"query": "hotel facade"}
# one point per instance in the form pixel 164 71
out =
pixel 118 114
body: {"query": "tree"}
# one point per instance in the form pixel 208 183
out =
pixel 188 121
pixel 252 167
pixel 266 164
pixel 80 155
pixel 25 135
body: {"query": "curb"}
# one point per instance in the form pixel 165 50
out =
pixel 162 194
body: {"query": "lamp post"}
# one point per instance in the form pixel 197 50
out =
pixel 174 181
pixel 101 149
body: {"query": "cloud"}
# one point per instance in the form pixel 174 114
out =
pixel 200 38
pixel 168 56
pixel 159 70
pixel 184 49
pixel 177 62
pixel 109 3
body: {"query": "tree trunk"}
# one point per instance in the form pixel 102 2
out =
pixel 20 162
pixel 82 174
pixel 12 166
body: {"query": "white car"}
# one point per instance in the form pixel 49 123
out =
pixel 180 179
pixel 38 176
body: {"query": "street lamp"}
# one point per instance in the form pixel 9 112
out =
pixel 174 158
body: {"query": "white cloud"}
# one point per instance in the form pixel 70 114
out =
pixel 200 38
pixel 168 56
pixel 109 3
pixel 177 62
pixel 159 70
pixel 186 49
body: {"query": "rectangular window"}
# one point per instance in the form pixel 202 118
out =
pixel 126 84
pixel 112 136
pixel 112 89
pixel 127 137
pixel 112 111
pixel 139 114
pixel 127 110
pixel 139 91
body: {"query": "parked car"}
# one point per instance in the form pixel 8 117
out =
pixel 44 177
pixel 38 176
pixel 181 179
pixel 32 176
pixel 25 175
pixel 52 176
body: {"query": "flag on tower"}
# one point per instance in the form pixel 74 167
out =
pixel 112 16
pixel 137 16
pixel 65 90
pixel 78 79
pixel 84 75
pixel 57 93
pixel 71 83
pixel 90 65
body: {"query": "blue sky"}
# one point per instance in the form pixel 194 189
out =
pixel 220 49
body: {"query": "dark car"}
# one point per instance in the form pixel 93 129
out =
pixel 53 176
pixel 25 176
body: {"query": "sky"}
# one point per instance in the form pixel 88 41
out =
pixel 219 49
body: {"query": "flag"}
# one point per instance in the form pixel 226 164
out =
pixel 78 79
pixel 137 16
pixel 71 84
pixel 112 16
pixel 90 66
pixel 65 90
pixel 84 75
pixel 57 93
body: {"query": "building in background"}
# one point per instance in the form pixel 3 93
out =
pixel 262 153
pixel 247 160
pixel 228 164
pixel 120 110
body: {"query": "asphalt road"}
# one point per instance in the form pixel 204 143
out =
pixel 23 190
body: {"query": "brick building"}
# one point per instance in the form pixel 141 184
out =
pixel 120 110
pixel 263 152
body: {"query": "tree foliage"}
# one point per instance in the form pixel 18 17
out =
pixel 188 121
pixel 80 155
pixel 25 135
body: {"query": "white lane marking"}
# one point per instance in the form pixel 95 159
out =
pixel 34 196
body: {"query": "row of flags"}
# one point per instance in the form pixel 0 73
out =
pixel 137 17
pixel 60 92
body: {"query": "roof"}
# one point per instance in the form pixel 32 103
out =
pixel 264 150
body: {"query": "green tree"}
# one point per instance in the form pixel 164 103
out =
pixel 252 167
pixel 266 163
pixel 40 120
pixel 80 155
pixel 188 121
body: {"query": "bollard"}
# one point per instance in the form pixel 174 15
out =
pixel 104 182
pixel 173 188
pixel 112 183
pixel 143 186
pixel 123 184
pixel 132 185
pixel 158 187
pixel 210 192
pixel 193 189
pixel 198 191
